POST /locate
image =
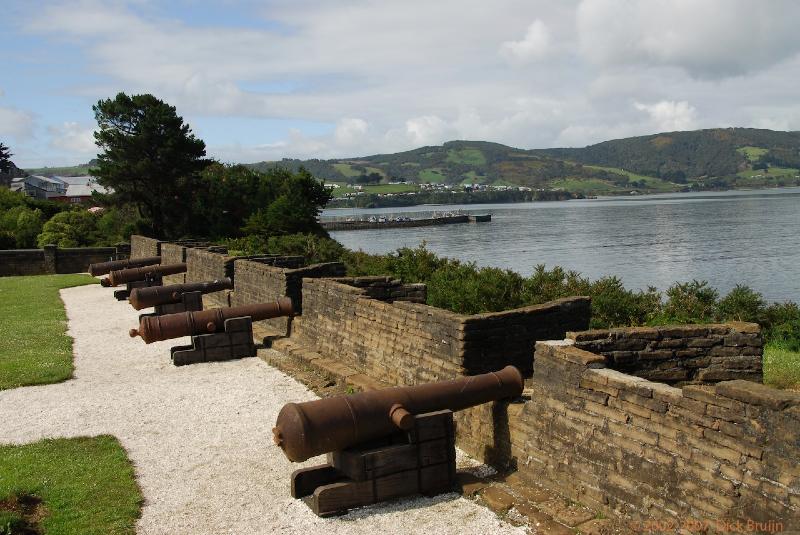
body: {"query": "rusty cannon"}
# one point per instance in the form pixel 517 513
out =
pixel 158 328
pixel 174 294
pixel 104 268
pixel 382 444
pixel 122 276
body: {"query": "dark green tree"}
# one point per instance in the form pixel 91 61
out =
pixel 297 202
pixel 233 198
pixel 5 159
pixel 150 161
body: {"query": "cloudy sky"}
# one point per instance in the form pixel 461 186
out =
pixel 315 78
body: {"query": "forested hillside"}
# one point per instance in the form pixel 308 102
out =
pixel 682 156
pixel 701 159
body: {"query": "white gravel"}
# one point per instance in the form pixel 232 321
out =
pixel 200 435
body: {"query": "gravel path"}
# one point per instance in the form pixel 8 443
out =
pixel 200 435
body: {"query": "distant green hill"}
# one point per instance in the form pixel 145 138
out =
pixel 685 156
pixel 703 159
pixel 75 170
pixel 718 158
pixel 475 162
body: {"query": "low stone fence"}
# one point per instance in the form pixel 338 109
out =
pixel 406 343
pixel 644 449
pixel 143 247
pixel 260 281
pixel 680 354
pixel 52 259
pixel 387 288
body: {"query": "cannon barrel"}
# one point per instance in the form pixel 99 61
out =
pixel 157 328
pixel 104 268
pixel 304 430
pixel 161 295
pixel 122 276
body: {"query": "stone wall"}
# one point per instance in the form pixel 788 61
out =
pixel 404 343
pixel 173 253
pixel 267 279
pixel 52 259
pixel 387 288
pixel 22 262
pixel 680 354
pixel 207 265
pixel 643 449
pixel 142 246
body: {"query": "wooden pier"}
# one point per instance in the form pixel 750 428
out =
pixel 389 223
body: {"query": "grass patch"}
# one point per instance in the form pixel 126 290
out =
pixel 650 182
pixel 391 188
pixel 466 156
pixel 69 486
pixel 772 172
pixel 34 348
pixel 752 153
pixel 781 367
pixel 346 169
pixel 578 185
pixel 431 175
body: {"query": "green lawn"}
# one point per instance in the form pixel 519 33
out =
pixel 378 188
pixel 346 169
pixel 774 172
pixel 433 175
pixel 70 486
pixel 466 156
pixel 651 182
pixel 781 367
pixel 752 153
pixel 585 186
pixel 34 348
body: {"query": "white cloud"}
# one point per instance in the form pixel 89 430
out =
pixel 350 131
pixel 707 38
pixel 73 137
pixel 16 123
pixel 533 46
pixel 385 78
pixel 669 116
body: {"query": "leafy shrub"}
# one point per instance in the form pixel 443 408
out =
pixel 690 302
pixel 782 325
pixel 20 225
pixel 615 306
pixel 416 265
pixel 742 304
pixel 77 228
pixel 465 289
pixel 313 248
pixel 543 285
pixel 360 264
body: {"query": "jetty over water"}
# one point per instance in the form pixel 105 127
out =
pixel 378 222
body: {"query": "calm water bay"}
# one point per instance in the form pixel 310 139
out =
pixel 748 237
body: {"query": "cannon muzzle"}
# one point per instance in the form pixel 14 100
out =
pixel 162 295
pixel 122 276
pixel 304 430
pixel 157 328
pixel 104 268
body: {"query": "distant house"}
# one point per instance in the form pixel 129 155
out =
pixel 39 187
pixel 71 189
